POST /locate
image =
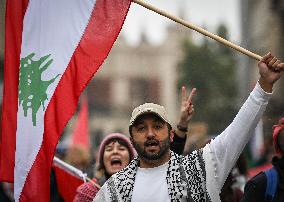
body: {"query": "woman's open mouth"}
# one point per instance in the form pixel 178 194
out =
pixel 116 162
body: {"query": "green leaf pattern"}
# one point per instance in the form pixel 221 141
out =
pixel 32 90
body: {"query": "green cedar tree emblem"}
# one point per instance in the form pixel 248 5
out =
pixel 32 90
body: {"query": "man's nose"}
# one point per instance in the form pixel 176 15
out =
pixel 150 133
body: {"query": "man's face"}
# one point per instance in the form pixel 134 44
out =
pixel 281 141
pixel 151 137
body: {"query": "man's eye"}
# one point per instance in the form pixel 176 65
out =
pixel 158 126
pixel 140 128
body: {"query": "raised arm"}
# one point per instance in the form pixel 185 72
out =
pixel 225 149
pixel 186 113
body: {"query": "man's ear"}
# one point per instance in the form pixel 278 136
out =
pixel 172 134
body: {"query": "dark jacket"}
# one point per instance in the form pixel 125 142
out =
pixel 230 193
pixel 178 144
pixel 255 187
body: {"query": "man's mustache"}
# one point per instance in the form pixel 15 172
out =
pixel 151 142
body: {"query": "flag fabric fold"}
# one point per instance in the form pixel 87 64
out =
pixel 63 43
pixel 15 11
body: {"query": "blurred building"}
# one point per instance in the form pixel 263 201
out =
pixel 262 31
pixel 134 75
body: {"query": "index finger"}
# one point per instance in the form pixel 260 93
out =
pixel 191 95
pixel 183 93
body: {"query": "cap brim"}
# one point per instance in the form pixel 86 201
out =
pixel 148 112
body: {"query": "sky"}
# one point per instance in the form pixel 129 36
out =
pixel 203 13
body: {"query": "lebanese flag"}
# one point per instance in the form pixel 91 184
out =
pixel 63 43
pixel 80 136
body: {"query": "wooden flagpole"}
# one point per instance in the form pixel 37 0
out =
pixel 199 29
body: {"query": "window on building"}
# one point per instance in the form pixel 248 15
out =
pixel 144 90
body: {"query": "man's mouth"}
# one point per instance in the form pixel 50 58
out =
pixel 152 143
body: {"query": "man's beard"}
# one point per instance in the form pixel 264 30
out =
pixel 164 147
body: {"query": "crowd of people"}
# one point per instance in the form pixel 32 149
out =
pixel 151 165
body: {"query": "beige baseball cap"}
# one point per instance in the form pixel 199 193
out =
pixel 149 108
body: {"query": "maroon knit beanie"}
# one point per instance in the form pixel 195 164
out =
pixel 108 138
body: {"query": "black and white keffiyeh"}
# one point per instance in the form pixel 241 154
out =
pixel 186 179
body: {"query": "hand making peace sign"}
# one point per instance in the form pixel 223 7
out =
pixel 187 107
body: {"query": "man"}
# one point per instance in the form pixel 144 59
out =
pixel 256 189
pixel 158 174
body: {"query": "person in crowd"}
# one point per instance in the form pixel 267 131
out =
pixel 78 157
pixel 158 174
pixel 229 193
pixel 115 153
pixel 6 192
pixel 257 188
pixel 232 190
pixel 240 172
pixel 116 150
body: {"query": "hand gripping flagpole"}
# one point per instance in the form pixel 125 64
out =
pixel 199 29
pixel 74 171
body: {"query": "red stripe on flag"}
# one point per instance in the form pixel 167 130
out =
pixel 15 11
pixel 103 28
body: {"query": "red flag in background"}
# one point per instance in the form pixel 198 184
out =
pixel 80 136
pixel 67 182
